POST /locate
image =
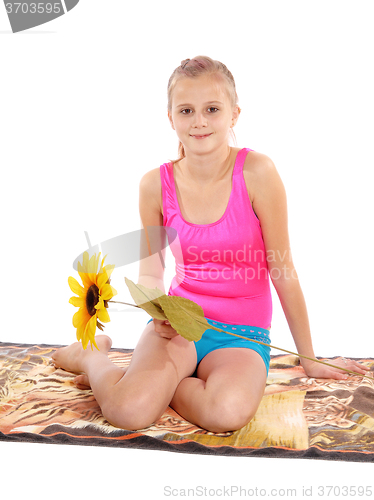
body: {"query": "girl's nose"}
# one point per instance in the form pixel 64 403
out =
pixel 200 120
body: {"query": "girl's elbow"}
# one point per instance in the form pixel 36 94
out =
pixel 284 276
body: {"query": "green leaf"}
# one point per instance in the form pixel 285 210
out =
pixel 185 316
pixel 147 299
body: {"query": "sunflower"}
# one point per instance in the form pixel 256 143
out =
pixel 92 297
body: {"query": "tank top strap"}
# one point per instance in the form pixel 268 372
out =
pixel 242 209
pixel 238 184
pixel 240 159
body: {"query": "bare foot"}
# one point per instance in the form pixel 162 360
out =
pixel 70 358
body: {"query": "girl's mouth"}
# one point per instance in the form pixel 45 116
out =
pixel 200 136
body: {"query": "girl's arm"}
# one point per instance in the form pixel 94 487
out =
pixel 151 270
pixel 270 205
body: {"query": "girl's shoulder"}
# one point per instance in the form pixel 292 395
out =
pixel 150 177
pixel 257 163
pixel 257 166
pixel 258 171
pixel 150 188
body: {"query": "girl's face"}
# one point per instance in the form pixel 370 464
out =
pixel 201 113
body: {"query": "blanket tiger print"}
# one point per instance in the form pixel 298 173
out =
pixel 298 417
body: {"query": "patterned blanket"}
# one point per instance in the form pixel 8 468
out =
pixel 298 417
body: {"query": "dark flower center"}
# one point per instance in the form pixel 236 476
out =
pixel 92 298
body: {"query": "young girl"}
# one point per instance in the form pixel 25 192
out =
pixel 228 206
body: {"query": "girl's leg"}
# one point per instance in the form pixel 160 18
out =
pixel 137 398
pixel 227 392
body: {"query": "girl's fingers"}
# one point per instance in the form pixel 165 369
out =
pixel 164 329
pixel 338 372
pixel 361 366
pixel 353 365
pixel 168 335
pixel 359 369
pixel 337 375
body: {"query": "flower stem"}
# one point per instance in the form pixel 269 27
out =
pixel 126 304
pixel 300 355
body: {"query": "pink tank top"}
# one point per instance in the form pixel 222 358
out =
pixel 221 266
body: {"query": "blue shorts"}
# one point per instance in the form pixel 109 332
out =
pixel 212 340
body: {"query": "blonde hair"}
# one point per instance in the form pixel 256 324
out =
pixel 193 68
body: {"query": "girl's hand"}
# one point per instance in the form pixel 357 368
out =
pixel 317 370
pixel 164 329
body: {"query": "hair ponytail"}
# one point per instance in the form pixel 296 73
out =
pixel 181 153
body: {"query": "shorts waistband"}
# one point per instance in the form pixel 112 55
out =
pixel 258 333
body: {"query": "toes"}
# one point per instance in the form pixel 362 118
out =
pixel 53 361
pixel 82 382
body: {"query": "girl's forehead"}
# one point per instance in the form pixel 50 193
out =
pixel 200 89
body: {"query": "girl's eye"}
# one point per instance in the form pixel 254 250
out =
pixel 188 111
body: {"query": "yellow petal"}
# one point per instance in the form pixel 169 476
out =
pixel 80 331
pixel 107 292
pixel 102 264
pixel 85 262
pixel 80 268
pixel 89 333
pixel 92 268
pixel 82 271
pixel 97 261
pixel 81 317
pixel 92 263
pixel 94 343
pixel 103 315
pixel 100 304
pixel 85 279
pixel 85 338
pixel 91 327
pixel 75 287
pixel 84 342
pixel 77 301
pixel 102 278
pixel 105 275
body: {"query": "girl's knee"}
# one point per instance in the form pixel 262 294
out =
pixel 126 418
pixel 232 414
pixel 131 413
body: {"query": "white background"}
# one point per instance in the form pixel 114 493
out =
pixel 83 117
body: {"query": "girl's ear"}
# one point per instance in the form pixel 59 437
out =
pixel 235 115
pixel 171 120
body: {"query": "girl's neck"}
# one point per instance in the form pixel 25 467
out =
pixel 207 168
